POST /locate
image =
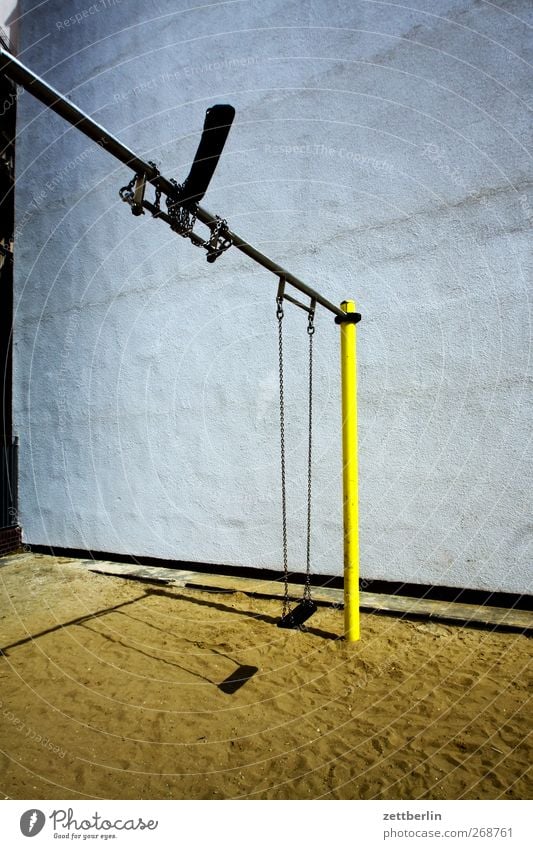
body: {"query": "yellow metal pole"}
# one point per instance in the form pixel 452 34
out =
pixel 350 476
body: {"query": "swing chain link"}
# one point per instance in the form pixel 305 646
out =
pixel 157 201
pixel 126 192
pixel 183 218
pixel 310 332
pixel 279 315
pixel 218 241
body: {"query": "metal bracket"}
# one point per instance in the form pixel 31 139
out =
pixel 282 296
pixel 138 195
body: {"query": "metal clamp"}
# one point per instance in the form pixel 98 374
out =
pixel 348 318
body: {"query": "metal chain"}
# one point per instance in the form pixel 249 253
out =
pixel 286 603
pixel 219 241
pixel 183 219
pixel 126 192
pixel 310 332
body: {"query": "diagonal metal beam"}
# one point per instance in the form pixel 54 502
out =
pixel 52 98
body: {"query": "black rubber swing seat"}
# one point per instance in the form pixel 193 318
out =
pixel 299 615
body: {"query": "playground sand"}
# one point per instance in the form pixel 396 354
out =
pixel 113 691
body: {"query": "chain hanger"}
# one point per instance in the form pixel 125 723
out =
pixel 296 617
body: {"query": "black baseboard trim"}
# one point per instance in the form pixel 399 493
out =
pixel 434 592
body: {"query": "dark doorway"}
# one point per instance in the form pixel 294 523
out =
pixel 9 533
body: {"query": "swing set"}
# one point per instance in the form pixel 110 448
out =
pixel 183 210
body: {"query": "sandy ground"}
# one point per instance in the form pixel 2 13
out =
pixel 111 688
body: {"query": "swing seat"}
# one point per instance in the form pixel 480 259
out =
pixel 299 615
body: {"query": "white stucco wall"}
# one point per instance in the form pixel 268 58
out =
pixel 380 153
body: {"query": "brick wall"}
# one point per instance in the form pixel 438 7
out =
pixel 10 540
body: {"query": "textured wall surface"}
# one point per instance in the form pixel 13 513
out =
pixel 380 153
